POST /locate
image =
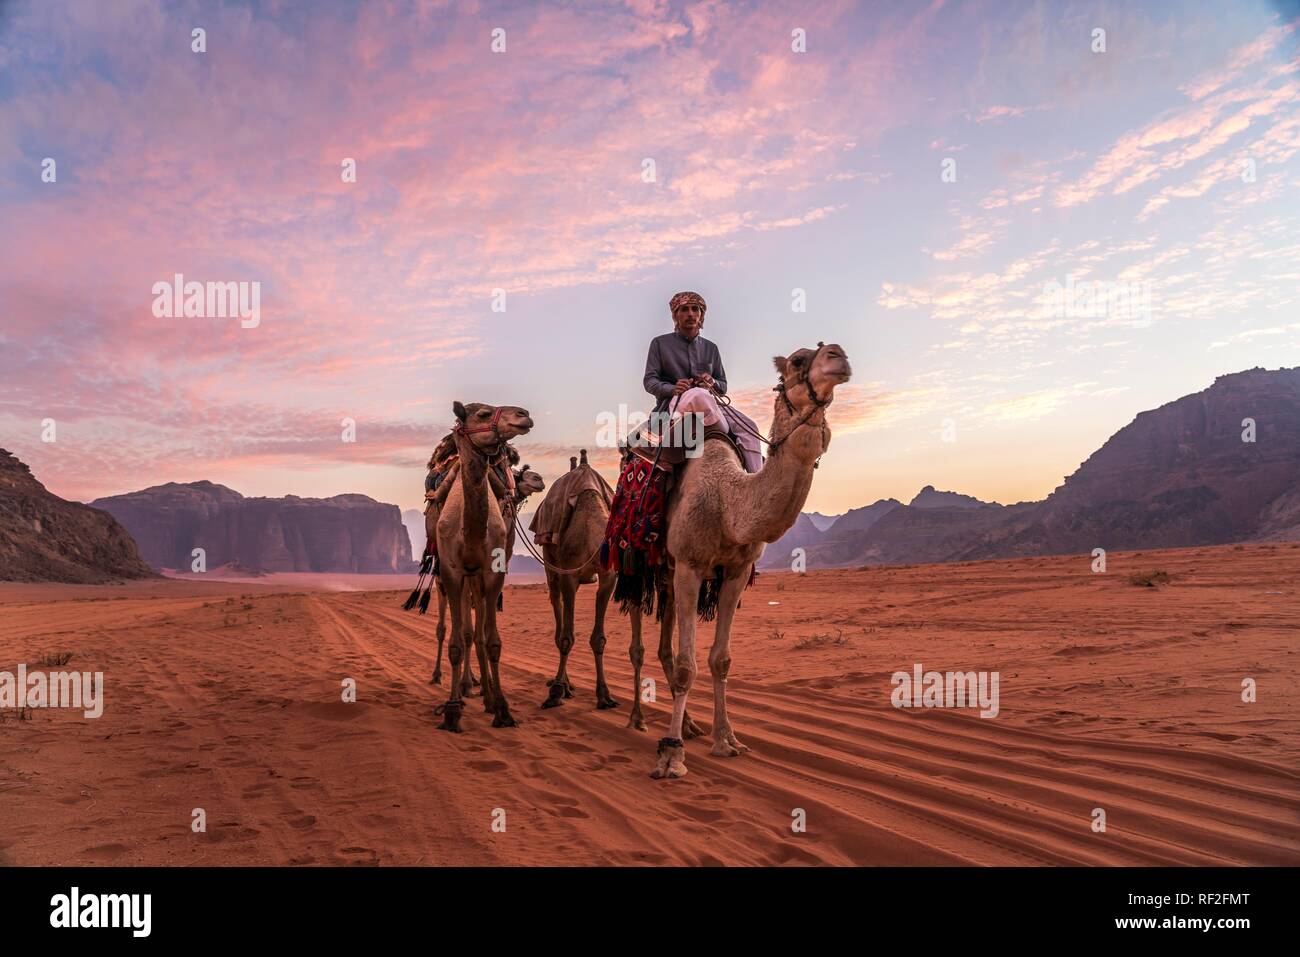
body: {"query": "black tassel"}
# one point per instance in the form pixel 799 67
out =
pixel 410 602
pixel 424 601
pixel 426 566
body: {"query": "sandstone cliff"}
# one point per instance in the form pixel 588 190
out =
pixel 344 533
pixel 44 538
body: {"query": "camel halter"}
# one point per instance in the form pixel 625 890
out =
pixel 498 453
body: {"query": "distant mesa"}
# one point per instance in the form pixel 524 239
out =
pixel 44 538
pixel 247 536
pixel 1180 475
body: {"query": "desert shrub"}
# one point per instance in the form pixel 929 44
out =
pixel 1149 579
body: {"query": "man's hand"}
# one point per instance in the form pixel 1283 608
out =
pixel 705 381
pixel 682 385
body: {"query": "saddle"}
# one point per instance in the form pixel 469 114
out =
pixel 683 438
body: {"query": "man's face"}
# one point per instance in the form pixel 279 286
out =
pixel 689 319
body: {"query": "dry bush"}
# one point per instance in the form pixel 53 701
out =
pixel 1150 579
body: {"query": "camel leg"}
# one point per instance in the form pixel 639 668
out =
pixel 553 592
pixel 455 654
pixel 567 585
pixel 486 689
pixel 724 739
pixel 636 651
pixel 492 588
pixel 672 752
pixel 689 728
pixel 442 635
pixel 604 589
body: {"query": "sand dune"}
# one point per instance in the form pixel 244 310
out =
pixel 226 697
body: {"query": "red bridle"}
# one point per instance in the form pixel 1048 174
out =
pixel 490 427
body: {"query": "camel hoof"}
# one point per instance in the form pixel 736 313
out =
pixel 450 716
pixel 637 722
pixel 672 764
pixel 605 703
pixel 436 679
pixel 690 729
pixel 504 719
pixel 555 695
pixel 722 749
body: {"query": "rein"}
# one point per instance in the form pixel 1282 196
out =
pixel 531 549
pixel 819 405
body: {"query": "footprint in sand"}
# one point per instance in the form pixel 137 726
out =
pixel 357 855
pixel 488 765
pixel 575 747
pixel 703 814
pixel 105 852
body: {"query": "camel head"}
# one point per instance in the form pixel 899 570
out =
pixel 528 482
pixel 809 376
pixel 486 426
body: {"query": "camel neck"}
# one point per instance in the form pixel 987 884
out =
pixel 778 491
pixel 474 492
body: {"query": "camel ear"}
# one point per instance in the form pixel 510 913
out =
pixel 781 363
pixel 460 412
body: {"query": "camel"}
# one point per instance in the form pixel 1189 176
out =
pixel 470 531
pixel 527 483
pixel 719 520
pixel 574 560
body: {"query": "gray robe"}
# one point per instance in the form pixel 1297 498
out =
pixel 672 356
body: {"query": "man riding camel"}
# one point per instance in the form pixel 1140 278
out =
pixel 683 371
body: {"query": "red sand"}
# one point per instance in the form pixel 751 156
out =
pixel 227 697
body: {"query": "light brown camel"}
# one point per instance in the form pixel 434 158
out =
pixel 527 483
pixel 719 519
pixel 470 532
pixel 573 559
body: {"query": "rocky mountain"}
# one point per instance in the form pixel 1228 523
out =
pixel 929 498
pixel 1221 465
pixel 344 533
pixel 822 522
pixel 45 538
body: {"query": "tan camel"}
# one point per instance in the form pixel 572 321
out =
pixel 527 483
pixel 471 534
pixel 719 519
pixel 573 559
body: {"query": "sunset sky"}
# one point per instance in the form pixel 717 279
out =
pixel 1169 159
